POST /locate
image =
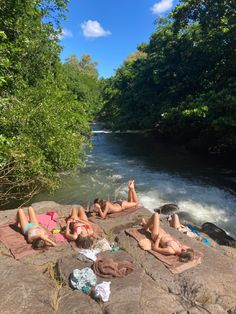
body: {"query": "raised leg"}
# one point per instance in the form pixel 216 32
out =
pixel 82 215
pixel 74 213
pixel 153 225
pixel 129 192
pixel 32 216
pixel 174 222
pixel 21 217
pixel 132 195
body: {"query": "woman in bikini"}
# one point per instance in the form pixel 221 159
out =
pixel 175 223
pixel 31 228
pixel 79 229
pixel 164 243
pixel 103 207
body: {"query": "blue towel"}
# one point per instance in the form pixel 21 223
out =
pixel 204 240
pixel 193 229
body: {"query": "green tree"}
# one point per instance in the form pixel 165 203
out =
pixel 44 126
pixel 184 80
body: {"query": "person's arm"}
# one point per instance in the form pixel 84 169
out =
pixel 103 214
pixel 68 234
pixel 165 251
pixel 156 244
pixel 46 239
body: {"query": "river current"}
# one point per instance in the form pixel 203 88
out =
pixel 164 173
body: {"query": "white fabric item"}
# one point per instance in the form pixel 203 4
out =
pixel 103 245
pixel 90 253
pixel 103 291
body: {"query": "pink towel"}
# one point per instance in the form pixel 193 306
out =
pixel 48 221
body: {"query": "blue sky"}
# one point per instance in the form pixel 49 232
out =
pixel 110 30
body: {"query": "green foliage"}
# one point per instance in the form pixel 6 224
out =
pixel 44 122
pixel 81 77
pixel 183 80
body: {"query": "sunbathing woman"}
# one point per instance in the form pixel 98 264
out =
pixel 35 233
pixel 175 223
pixel 79 229
pixel 164 243
pixel 103 207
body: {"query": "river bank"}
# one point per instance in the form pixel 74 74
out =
pixel 39 283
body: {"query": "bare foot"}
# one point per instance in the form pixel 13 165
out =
pixel 131 184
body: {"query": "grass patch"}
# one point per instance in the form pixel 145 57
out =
pixel 53 273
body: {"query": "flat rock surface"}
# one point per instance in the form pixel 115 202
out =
pixel 23 289
pixel 39 283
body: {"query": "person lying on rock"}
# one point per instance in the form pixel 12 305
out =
pixel 31 228
pixel 174 222
pixel 163 242
pixel 79 229
pixel 103 207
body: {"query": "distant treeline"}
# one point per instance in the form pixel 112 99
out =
pixel 45 106
pixel 182 82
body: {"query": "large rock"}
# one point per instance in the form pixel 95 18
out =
pixel 24 290
pixel 76 302
pixel 167 209
pixel 212 282
pixel 26 286
pixel 129 294
pixel 218 234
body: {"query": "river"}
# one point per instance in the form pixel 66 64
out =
pixel 203 187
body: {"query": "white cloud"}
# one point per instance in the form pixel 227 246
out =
pixel 162 6
pixel 93 29
pixel 65 33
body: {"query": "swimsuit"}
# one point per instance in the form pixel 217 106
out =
pixel 119 203
pixel 169 243
pixel 29 225
pixel 86 227
pixel 34 232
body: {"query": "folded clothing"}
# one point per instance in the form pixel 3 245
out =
pixel 102 291
pixel 107 268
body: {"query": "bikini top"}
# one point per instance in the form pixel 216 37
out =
pixel 86 227
pixel 34 232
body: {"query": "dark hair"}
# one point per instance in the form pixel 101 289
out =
pixel 186 256
pixel 83 242
pixel 101 202
pixel 38 244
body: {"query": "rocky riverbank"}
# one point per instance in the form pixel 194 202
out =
pixel 39 283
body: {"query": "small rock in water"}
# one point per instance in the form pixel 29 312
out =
pixel 167 209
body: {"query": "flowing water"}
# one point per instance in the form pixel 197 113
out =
pixel 203 187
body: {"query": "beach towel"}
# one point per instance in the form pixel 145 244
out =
pixel 11 237
pixel 49 222
pixel 107 268
pixel 14 240
pixel 170 261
